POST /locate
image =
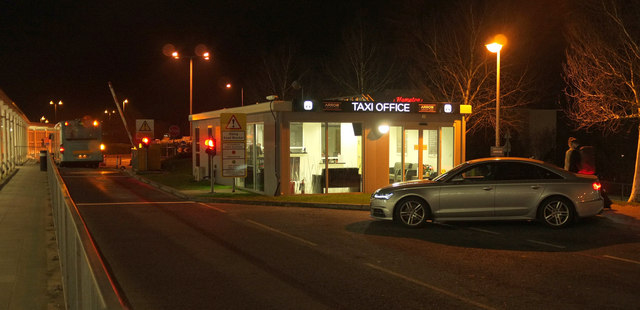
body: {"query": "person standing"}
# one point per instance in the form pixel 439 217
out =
pixel 582 160
pixel 572 156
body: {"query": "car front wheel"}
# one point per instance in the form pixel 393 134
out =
pixel 556 212
pixel 412 212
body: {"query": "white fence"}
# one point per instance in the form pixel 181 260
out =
pixel 86 280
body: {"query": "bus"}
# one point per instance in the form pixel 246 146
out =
pixel 80 143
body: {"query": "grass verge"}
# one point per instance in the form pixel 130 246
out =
pixel 176 173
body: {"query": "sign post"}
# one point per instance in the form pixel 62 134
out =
pixel 234 141
pixel 210 148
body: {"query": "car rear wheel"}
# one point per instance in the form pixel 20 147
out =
pixel 412 212
pixel 556 212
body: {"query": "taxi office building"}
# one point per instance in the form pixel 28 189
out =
pixel 334 146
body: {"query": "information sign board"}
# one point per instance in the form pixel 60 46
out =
pixel 233 130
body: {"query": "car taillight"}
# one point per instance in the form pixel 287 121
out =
pixel 61 149
pixel 596 186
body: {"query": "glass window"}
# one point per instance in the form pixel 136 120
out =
pixel 325 154
pixel 447 149
pixel 523 171
pixel 477 173
pixel 305 158
pixel 334 141
pixel 395 154
pixel 259 156
pixel 254 155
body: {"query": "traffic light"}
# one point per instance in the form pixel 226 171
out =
pixel 145 142
pixel 210 145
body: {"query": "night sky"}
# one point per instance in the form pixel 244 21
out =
pixel 70 50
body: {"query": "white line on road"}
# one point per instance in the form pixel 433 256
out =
pixel 444 225
pixel 622 259
pixel 548 244
pixel 282 233
pixel 429 286
pixel 131 203
pixel 484 231
pixel 212 207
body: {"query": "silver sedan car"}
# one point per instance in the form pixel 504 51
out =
pixel 498 188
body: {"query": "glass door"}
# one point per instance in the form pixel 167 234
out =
pixel 421 158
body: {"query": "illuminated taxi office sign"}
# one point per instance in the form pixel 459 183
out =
pixel 381 107
pixel 376 107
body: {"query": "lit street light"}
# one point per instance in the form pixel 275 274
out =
pixel 200 51
pixel 495 48
pixel 124 105
pixel 109 113
pixel 228 86
pixel 55 109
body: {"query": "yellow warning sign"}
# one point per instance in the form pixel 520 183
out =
pixel 145 127
pixel 233 121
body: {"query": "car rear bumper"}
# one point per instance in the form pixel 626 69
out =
pixel 590 208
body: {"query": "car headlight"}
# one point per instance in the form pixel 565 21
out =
pixel 383 196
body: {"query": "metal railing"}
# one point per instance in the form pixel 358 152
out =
pixel 87 283
pixel 617 191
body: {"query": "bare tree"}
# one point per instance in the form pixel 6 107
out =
pixel 363 65
pixel 602 71
pixel 277 70
pixel 452 63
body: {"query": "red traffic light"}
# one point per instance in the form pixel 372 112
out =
pixel 145 141
pixel 210 146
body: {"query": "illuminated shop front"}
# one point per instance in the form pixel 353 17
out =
pixel 335 146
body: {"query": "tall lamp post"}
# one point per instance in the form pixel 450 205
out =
pixel 495 48
pixel 55 109
pixel 229 86
pixel 200 51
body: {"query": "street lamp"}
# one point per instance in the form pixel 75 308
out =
pixel 109 113
pixel 55 109
pixel 200 51
pixel 124 105
pixel 228 86
pixel 495 48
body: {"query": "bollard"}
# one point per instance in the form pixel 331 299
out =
pixel 43 160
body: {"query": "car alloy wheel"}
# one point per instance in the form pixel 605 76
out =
pixel 556 212
pixel 411 212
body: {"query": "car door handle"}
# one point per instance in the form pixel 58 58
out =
pixel 488 188
pixel 535 187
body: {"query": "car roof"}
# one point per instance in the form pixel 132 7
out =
pixel 547 165
pixel 531 160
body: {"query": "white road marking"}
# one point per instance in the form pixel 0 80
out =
pixel 484 231
pixel 212 207
pixel 429 286
pixel 131 203
pixel 622 259
pixel 444 225
pixel 548 244
pixel 282 233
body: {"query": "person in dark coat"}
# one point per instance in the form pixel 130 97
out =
pixel 582 160
pixel 572 156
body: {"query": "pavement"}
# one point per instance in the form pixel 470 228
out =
pixel 30 275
